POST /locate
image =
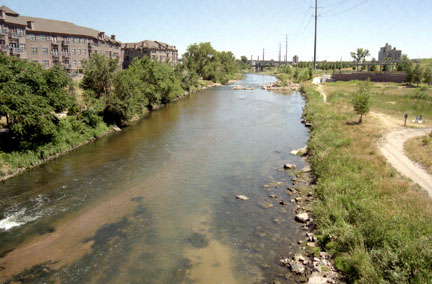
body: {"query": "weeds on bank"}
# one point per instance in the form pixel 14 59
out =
pixel 377 224
pixel 419 149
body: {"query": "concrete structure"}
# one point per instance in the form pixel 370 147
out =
pixel 51 42
pixel 295 59
pixel 387 52
pixel 155 50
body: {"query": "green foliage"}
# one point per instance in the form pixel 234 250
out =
pixel 360 54
pixel 127 99
pixel 210 64
pixel 98 74
pixel 373 239
pixel 160 83
pixel 29 97
pixel 427 76
pixel 415 74
pixel 421 93
pixel 361 100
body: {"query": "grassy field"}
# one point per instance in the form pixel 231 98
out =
pixel 390 98
pixel 426 63
pixel 419 149
pixel 377 224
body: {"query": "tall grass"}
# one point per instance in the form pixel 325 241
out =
pixel 377 224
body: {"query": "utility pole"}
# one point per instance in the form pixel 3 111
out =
pixel 315 41
pixel 286 48
pixel 263 54
pixel 280 52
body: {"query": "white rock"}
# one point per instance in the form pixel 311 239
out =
pixel 303 217
pixel 242 197
pixel 315 278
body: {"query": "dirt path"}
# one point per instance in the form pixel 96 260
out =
pixel 391 147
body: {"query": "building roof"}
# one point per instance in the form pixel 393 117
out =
pixel 148 44
pixel 52 26
pixel 8 10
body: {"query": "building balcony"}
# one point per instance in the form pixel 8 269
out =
pixel 15 35
pixel 17 50
pixel 3 32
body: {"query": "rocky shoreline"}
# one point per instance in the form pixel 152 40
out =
pixel 311 265
pixel 277 86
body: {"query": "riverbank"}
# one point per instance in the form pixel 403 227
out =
pixel 20 162
pixel 373 221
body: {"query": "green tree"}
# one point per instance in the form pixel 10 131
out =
pixel 427 76
pixel 361 100
pixel 417 75
pixel 160 83
pixel 360 55
pixel 127 99
pixel 98 74
pixel 373 67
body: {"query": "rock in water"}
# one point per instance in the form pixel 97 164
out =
pixel 242 197
pixel 297 268
pixel 303 217
pixel 288 166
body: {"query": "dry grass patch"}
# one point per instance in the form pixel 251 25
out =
pixel 419 149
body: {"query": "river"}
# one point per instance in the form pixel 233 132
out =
pixel 155 203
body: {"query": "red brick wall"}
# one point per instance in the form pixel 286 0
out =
pixel 384 77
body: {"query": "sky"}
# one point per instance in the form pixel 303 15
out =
pixel 246 27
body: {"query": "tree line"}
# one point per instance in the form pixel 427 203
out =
pixel 46 109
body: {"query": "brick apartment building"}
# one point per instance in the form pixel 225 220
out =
pixel 155 50
pixel 51 42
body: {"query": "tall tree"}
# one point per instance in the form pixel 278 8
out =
pixel 98 74
pixel 360 55
pixel 427 76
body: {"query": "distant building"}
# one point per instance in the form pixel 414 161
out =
pixel 50 42
pixel 388 52
pixel 155 50
pixel 295 59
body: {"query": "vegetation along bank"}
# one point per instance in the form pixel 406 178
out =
pixel 44 112
pixel 376 224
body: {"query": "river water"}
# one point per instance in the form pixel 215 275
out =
pixel 156 202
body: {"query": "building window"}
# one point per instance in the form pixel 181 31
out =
pixel 34 50
pixel 54 39
pixel 75 39
pixel 44 50
pixel 79 51
pixel 43 37
pixel 73 51
pixel 20 32
pixel 22 45
pixel 74 62
pixel 83 51
pixel 32 37
pixel 46 62
pixel 79 62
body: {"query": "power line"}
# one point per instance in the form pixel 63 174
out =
pixel 346 10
